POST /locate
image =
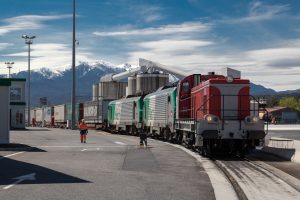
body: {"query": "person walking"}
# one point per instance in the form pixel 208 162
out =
pixel 143 137
pixel 83 131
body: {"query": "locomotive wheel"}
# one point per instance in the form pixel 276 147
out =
pixel 179 138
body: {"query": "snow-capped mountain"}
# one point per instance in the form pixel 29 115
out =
pixel 56 85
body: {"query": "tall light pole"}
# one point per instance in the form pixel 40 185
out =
pixel 9 66
pixel 29 41
pixel 73 101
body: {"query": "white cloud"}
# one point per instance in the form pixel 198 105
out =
pixel 187 27
pixel 174 45
pixel 5 45
pixel 277 67
pixel 148 13
pixel 51 55
pixel 259 11
pixel 27 22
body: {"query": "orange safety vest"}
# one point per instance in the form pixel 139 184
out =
pixel 83 126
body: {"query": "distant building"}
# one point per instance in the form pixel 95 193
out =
pixel 283 115
pixel 17 103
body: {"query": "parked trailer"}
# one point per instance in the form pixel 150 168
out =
pixel 126 114
pixel 63 114
pixel 48 116
pixel 39 116
pixel 95 113
pixel 60 116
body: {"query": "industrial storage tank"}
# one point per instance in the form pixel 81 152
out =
pixel 147 83
pixel 112 90
pixel 131 89
pixel 95 92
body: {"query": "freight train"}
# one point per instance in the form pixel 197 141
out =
pixel 209 113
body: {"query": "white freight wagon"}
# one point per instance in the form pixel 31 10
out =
pixel 60 114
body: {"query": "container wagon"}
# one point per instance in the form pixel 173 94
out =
pixel 95 113
pixel 78 113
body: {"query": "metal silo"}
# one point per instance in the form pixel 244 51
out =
pixel 131 89
pixel 147 83
pixel 95 92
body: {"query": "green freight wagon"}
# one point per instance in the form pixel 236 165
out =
pixel 160 112
pixel 126 114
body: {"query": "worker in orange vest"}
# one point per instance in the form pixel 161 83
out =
pixel 83 131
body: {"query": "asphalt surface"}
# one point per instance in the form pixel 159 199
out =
pixel 106 167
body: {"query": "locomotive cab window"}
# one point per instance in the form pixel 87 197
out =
pixel 186 87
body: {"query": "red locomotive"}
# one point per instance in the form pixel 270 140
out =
pixel 214 113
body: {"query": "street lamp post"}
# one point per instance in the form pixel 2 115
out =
pixel 29 41
pixel 9 66
pixel 73 100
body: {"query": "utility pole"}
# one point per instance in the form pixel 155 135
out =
pixel 73 101
pixel 9 66
pixel 29 41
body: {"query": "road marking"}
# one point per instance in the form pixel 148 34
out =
pixel 10 155
pixel 93 149
pixel 30 177
pixel 120 143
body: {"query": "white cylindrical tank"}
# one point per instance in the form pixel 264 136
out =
pixel 131 89
pixel 95 92
pixel 147 83
pixel 112 90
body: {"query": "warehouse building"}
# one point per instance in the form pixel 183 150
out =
pixel 283 115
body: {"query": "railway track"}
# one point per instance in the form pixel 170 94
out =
pixel 254 180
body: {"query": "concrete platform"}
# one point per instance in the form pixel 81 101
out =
pixel 284 141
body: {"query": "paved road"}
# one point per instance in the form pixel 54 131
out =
pixel 106 167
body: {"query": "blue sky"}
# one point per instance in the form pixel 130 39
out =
pixel 260 38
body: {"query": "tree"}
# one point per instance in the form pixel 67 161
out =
pixel 290 102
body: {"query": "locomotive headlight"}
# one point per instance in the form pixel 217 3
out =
pixel 212 119
pixel 255 119
pixel 229 79
pixel 251 119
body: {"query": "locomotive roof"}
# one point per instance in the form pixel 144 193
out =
pixel 168 90
pixel 126 100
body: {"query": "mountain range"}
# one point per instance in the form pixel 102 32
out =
pixel 56 85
